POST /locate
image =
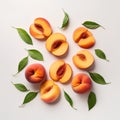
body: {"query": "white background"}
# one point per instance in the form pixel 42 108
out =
pixel 21 13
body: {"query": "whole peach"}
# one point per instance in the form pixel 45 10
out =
pixel 81 83
pixel 35 73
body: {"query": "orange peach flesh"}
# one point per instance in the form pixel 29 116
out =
pixel 40 29
pixel 60 71
pixel 87 43
pixel 36 33
pixel 49 91
pixel 67 75
pixel 54 68
pixel 81 83
pixel 57 44
pixel 83 59
pixel 63 48
pixel 83 37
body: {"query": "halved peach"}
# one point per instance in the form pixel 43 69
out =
pixel 83 37
pixel 83 59
pixel 57 44
pixel 49 91
pixel 40 29
pixel 60 71
pixel 54 69
pixel 67 75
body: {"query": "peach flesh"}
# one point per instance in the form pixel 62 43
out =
pixel 57 44
pixel 40 29
pixel 60 71
pixel 50 92
pixel 83 37
pixel 83 59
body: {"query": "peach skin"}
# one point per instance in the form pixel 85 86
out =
pixel 35 73
pixel 49 91
pixel 40 29
pixel 83 37
pixel 57 44
pixel 83 59
pixel 60 71
pixel 81 83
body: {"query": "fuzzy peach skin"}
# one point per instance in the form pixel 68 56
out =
pixel 83 59
pixel 60 71
pixel 49 91
pixel 83 37
pixel 35 73
pixel 57 44
pixel 40 29
pixel 81 83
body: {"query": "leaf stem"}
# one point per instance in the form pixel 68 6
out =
pixel 102 27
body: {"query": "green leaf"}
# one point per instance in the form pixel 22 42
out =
pixel 97 78
pixel 29 97
pixel 65 20
pixel 91 100
pixel 100 54
pixel 22 64
pixel 35 54
pixel 91 25
pixel 69 100
pixel 24 36
pixel 20 87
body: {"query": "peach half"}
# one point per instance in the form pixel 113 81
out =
pixel 60 71
pixel 49 91
pixel 81 83
pixel 83 59
pixel 35 73
pixel 57 44
pixel 40 29
pixel 83 37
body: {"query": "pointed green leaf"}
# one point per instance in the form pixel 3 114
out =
pixel 100 54
pixel 65 20
pixel 24 36
pixel 29 97
pixel 22 64
pixel 91 25
pixel 91 100
pixel 69 100
pixel 35 54
pixel 97 78
pixel 21 87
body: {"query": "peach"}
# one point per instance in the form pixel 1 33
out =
pixel 60 71
pixel 81 83
pixel 40 29
pixel 35 73
pixel 83 37
pixel 49 91
pixel 57 44
pixel 83 59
